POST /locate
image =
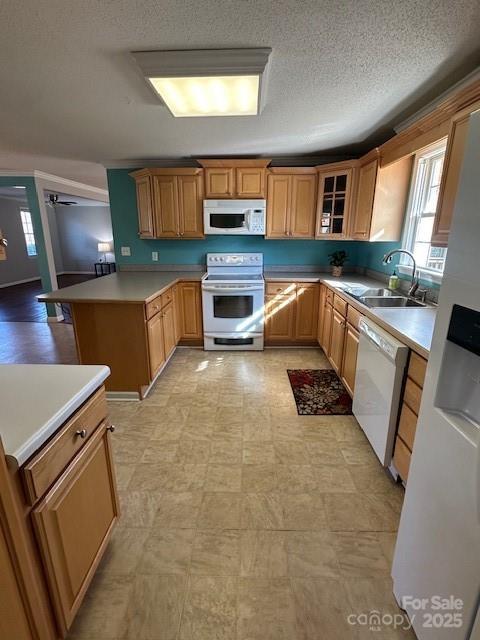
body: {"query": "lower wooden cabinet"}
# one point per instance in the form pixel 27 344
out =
pixel 306 312
pixel 14 622
pixel 190 307
pixel 338 335
pixel 176 310
pixel 327 328
pixel 291 313
pixel 156 348
pixel 279 319
pixel 409 409
pixel 350 352
pixel 73 523
pixel 321 312
pixel 337 341
pixel 169 332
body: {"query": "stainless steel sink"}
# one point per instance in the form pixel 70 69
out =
pixel 379 293
pixel 391 301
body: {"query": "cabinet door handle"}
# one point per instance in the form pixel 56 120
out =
pixel 82 433
pixel 111 428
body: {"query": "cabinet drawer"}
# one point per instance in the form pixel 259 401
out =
pixel 329 296
pixel 154 307
pixel 417 368
pixel 280 288
pixel 412 395
pixel 353 316
pixel 166 297
pixel 401 458
pixel 340 305
pixel 45 467
pixel 407 426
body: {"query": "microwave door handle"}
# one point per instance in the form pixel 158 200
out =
pixel 247 223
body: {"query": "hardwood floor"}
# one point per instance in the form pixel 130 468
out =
pixel 37 343
pixel 19 304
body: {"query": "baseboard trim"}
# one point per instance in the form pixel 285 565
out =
pixel 54 319
pixel 12 284
pixel 123 396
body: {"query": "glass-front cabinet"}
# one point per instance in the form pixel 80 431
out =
pixel 334 201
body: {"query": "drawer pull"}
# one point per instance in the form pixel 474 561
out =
pixel 111 428
pixel 82 433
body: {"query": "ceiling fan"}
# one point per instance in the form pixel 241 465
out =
pixel 53 200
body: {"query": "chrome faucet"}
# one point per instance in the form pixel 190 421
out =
pixel 387 258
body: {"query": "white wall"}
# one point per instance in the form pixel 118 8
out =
pixel 80 229
pixel 18 265
pixel 55 238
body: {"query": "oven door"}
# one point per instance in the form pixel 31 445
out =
pixel 222 222
pixel 233 308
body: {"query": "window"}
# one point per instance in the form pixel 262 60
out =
pixel 421 213
pixel 28 232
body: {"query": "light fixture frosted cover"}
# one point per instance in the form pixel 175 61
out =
pixel 209 95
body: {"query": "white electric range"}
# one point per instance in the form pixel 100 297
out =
pixel 233 292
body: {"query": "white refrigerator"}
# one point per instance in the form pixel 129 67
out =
pixel 436 567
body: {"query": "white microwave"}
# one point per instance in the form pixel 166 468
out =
pixel 234 217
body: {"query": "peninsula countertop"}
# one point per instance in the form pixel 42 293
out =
pixel 123 286
pixel 412 326
pixel 36 399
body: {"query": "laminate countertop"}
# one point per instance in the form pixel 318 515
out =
pixel 412 326
pixel 124 286
pixel 36 399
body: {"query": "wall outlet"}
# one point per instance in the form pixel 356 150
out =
pixel 155 256
pixel 125 251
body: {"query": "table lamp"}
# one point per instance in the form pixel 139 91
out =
pixel 104 247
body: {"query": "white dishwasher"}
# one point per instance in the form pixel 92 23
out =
pixel 381 366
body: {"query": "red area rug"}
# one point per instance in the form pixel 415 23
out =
pixel 319 392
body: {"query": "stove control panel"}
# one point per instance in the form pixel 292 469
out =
pixel 234 259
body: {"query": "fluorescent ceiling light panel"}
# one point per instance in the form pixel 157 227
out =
pixel 218 82
pixel 209 95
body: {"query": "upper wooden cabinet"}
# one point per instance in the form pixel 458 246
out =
pixel 335 186
pixel 231 178
pixel 169 203
pixel 449 183
pixel 219 182
pixel 144 206
pixel 381 198
pixel 291 202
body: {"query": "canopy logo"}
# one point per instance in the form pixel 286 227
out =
pixel 376 621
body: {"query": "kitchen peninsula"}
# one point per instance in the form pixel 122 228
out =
pixel 132 322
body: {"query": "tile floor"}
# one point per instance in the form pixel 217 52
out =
pixel 240 519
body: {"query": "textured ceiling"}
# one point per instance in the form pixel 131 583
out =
pixel 342 71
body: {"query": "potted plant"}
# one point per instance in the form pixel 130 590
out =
pixel 337 260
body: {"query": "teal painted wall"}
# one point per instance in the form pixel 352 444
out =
pixel 31 192
pixel 370 254
pixel 123 206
